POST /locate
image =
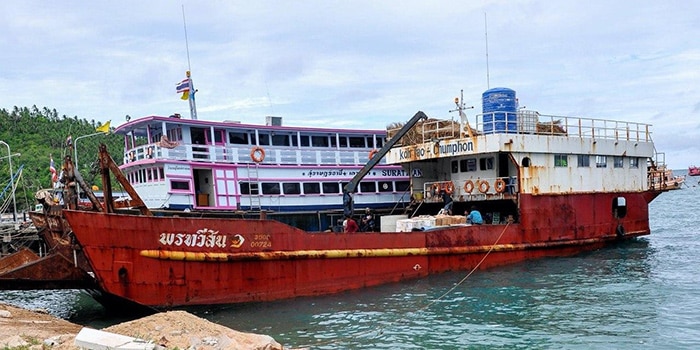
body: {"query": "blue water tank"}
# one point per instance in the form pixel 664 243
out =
pixel 500 111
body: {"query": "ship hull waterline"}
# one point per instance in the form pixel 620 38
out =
pixel 167 262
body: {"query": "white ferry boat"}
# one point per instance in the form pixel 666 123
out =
pixel 194 165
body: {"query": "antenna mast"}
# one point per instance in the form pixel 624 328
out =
pixel 486 36
pixel 193 105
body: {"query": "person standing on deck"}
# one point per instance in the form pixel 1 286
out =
pixel 350 225
pixel 447 199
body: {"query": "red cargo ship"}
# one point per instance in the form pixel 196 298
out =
pixel 545 186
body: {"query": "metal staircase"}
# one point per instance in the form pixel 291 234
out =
pixel 254 187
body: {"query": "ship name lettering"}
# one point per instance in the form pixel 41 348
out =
pixel 202 238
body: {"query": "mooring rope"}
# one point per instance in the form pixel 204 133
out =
pixel 380 331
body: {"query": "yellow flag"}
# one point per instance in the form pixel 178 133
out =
pixel 185 95
pixel 104 127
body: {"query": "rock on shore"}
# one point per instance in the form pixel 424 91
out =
pixel 173 329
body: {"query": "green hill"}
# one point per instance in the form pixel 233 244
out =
pixel 38 135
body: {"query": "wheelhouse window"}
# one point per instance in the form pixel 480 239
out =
pixel 486 163
pixel 634 163
pixel 618 162
pixel 601 161
pixel 455 167
pixel 305 142
pixel 584 161
pixel 561 160
pixel 466 165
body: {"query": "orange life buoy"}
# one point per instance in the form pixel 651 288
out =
pixel 469 186
pixel 484 186
pixel 499 185
pixel 372 153
pixel 448 187
pixel 257 154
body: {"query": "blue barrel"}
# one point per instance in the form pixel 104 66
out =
pixel 500 111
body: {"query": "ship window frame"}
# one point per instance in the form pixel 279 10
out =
pixel 561 160
pixel 319 141
pixel 281 140
pixel 455 166
pixel 486 163
pixel 357 142
pixel 368 187
pixel 402 185
pixel 182 185
pixel 618 162
pixel 264 138
pixel 304 141
pixel 328 185
pixel 239 137
pixel 634 162
pixel 270 188
pixel 385 186
pixel 291 188
pixel 584 161
pixel 601 161
pixel 311 187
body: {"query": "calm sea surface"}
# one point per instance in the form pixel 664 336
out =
pixel 642 294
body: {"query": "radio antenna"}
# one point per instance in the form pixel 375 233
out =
pixel 193 105
pixel 486 36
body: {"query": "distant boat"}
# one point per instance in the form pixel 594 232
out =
pixel 667 180
pixel 693 171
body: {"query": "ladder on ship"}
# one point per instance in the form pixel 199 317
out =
pixel 254 187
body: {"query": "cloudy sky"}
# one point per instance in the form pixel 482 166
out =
pixel 358 64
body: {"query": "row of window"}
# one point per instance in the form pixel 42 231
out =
pixel 291 188
pixel 584 161
pixel 469 164
pixel 146 175
pixel 277 138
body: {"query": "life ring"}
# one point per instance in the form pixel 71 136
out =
pixel 257 154
pixel 448 187
pixel 372 153
pixel 469 186
pixel 499 186
pixel 484 186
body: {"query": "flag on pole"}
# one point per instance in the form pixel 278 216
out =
pixel 183 86
pixel 104 127
pixel 52 168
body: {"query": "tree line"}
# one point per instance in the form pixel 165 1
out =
pixel 34 136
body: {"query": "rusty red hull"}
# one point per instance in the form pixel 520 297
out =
pixel 167 262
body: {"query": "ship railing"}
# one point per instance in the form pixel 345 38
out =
pixel 242 154
pixel 532 122
pixel 472 189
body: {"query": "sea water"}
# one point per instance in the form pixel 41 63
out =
pixel 639 294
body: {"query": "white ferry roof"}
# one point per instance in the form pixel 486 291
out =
pixel 138 126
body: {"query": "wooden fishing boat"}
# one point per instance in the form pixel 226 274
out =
pixel 545 185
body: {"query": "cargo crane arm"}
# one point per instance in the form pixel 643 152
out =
pixel 351 186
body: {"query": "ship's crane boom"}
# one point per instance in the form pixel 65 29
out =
pixel 351 186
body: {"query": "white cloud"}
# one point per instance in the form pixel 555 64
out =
pixel 359 64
